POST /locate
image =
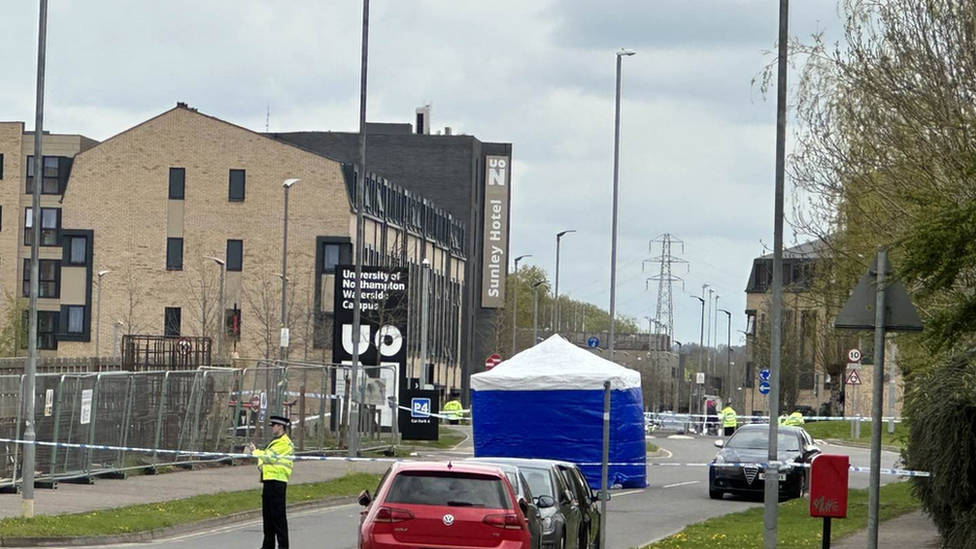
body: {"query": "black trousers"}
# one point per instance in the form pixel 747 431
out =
pixel 273 512
pixel 729 431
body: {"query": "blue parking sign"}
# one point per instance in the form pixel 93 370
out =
pixel 420 407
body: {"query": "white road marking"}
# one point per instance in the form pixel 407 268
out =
pixel 622 494
pixel 681 484
pixel 681 437
pixel 669 456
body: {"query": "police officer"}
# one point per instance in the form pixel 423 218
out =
pixel 275 463
pixel 729 419
pixel 453 409
pixel 795 419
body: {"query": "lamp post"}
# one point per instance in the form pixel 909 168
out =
pixel 221 321
pixel 559 237
pixel 515 305
pixel 613 239
pixel 27 504
pixel 287 185
pixel 424 319
pixel 728 362
pixel 535 312
pixel 674 397
pixel 701 347
pixel 98 309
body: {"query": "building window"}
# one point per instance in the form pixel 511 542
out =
pixel 76 319
pixel 236 192
pixel 171 320
pixel 48 280
pixel 331 257
pixel 1 165
pixel 750 323
pixel 235 255
pixel 174 254
pixel 51 182
pixel 177 183
pixel 47 325
pixel 50 223
pixel 76 250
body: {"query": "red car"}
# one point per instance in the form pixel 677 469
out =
pixel 443 506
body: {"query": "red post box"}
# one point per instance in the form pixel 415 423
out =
pixel 828 486
pixel 828 490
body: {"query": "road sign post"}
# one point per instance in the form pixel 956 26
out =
pixel 878 306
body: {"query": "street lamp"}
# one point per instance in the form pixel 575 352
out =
pixel 613 243
pixel 559 237
pixel 287 185
pixel 221 327
pixel 535 312
pixel 98 308
pixel 701 347
pixel 515 305
pixel 728 363
pixel 674 399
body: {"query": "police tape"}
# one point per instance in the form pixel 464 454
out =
pixel 684 418
pixel 782 466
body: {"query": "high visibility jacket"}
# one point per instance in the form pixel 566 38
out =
pixel 277 459
pixel 795 419
pixel 729 418
pixel 453 409
pixel 784 420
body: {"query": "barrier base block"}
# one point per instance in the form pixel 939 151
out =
pixel 79 480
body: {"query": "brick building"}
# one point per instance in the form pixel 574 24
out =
pixel 155 206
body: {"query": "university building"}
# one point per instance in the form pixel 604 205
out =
pixel 151 219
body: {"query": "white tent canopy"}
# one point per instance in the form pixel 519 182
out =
pixel 555 364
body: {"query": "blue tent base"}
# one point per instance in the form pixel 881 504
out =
pixel 564 425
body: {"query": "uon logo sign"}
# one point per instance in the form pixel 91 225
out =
pixel 387 339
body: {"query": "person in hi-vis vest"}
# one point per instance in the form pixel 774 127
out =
pixel 275 463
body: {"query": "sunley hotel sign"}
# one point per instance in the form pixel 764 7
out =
pixel 494 264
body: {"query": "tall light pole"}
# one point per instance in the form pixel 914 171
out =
pixel 424 319
pixel 221 320
pixel 27 506
pixel 353 435
pixel 771 495
pixel 287 185
pixel 535 311
pixel 515 305
pixel 616 176
pixel 708 331
pixel 701 346
pixel 559 237
pixel 728 362
pixel 674 398
pixel 98 308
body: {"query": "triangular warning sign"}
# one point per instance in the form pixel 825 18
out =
pixel 853 378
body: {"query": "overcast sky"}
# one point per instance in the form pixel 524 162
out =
pixel 697 138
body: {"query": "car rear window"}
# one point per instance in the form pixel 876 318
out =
pixel 539 481
pixel 448 490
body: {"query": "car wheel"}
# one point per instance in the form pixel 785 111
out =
pixel 716 494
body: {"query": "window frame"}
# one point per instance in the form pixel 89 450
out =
pixel 172 265
pixel 46 340
pixel 167 315
pixel 235 262
pixel 28 217
pixel 68 258
pixel 243 185
pixel 182 184
pixel 1 166
pixel 56 281
pixel 56 178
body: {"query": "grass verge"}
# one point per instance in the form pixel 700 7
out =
pixel 651 447
pixel 447 438
pixel 841 430
pixel 140 518
pixel 797 530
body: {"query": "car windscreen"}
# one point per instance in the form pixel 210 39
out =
pixel 447 489
pixel 539 481
pixel 758 439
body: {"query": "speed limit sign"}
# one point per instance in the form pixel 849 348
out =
pixel 854 355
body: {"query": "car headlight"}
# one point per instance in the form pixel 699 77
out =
pixel 719 459
pixel 548 525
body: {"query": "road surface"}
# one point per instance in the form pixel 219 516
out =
pixel 675 497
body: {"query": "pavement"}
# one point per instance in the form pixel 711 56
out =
pixel 675 497
pixel 911 531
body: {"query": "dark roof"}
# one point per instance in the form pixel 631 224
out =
pixel 814 249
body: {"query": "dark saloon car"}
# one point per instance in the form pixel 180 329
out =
pixel 750 445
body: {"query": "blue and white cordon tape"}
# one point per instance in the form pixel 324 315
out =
pixel 192 453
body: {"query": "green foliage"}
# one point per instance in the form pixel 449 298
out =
pixel 13 336
pixel 942 440
pixel 141 518
pixel 797 530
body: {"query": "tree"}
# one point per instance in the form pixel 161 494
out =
pixel 201 287
pixel 13 335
